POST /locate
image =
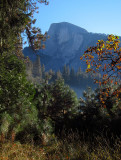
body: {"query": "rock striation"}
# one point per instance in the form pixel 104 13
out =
pixel 66 44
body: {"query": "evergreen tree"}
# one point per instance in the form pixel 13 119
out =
pixel 66 73
pixel 43 99
pixel 56 100
pixel 72 72
pixel 79 72
pixel 89 105
pixel 51 72
pixel 43 70
pixel 29 68
pixel 72 76
pixel 37 70
pixel 65 100
pixel 16 17
pixel 16 94
pixel 58 75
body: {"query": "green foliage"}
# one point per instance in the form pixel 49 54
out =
pixel 56 100
pixel 89 105
pixel 16 94
pixel 32 111
pixel 111 102
pixel 12 20
pixel 17 110
pixel 36 73
pixel 65 100
pixel 16 17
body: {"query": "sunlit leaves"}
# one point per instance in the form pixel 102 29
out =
pixel 105 58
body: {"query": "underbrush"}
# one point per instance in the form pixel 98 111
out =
pixel 72 147
pixel 17 151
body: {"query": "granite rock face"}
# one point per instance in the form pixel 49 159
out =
pixel 65 40
pixel 66 44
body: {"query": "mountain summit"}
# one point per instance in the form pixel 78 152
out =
pixel 65 40
pixel 66 44
pixel 65 25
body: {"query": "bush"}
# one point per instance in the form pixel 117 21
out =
pixel 16 95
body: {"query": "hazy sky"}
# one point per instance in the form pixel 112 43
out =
pixel 98 16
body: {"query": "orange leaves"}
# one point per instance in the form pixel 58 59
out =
pixel 43 46
pixel 117 37
pixel 104 82
pixel 103 102
pixel 90 56
pixel 98 66
pixel 118 67
pixel 105 76
pixel 96 81
pixel 98 49
pixel 88 70
pixel 105 66
pixel 109 92
pixel 105 58
pixel 111 38
pixel 104 106
pixel 100 83
pixel 119 49
pixel 116 83
pixel 111 81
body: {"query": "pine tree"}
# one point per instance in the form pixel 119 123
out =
pixel 16 17
pixel 72 72
pixel 72 76
pixel 43 70
pixel 58 75
pixel 29 68
pixel 56 100
pixel 79 72
pixel 65 100
pixel 66 73
pixel 89 105
pixel 16 94
pixel 37 70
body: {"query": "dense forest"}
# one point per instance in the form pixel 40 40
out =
pixel 40 116
pixel 37 74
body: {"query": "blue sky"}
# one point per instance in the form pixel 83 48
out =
pixel 98 16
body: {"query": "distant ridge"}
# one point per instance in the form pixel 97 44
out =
pixel 66 44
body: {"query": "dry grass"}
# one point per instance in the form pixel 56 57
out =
pixel 17 151
pixel 70 148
